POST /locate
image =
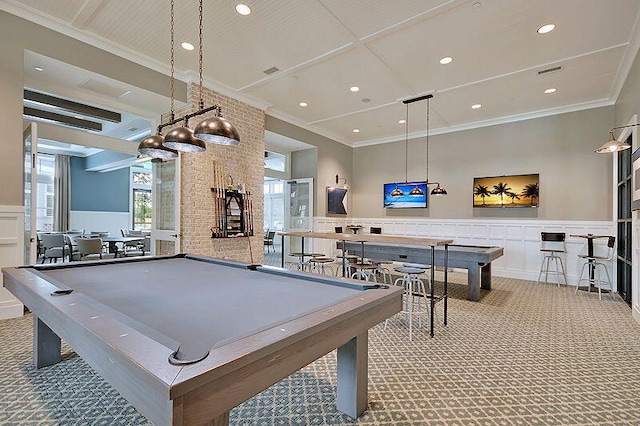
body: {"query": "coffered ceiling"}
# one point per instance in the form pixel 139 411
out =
pixel 389 49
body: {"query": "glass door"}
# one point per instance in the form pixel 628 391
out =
pixel 30 139
pixel 165 232
pixel 299 205
pixel 298 215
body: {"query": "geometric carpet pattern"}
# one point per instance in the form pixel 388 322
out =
pixel 525 354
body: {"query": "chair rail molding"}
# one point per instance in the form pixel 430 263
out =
pixel 11 254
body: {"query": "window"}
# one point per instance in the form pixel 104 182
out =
pixel 44 207
pixel 273 205
pixel 141 198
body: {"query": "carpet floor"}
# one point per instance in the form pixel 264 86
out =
pixel 525 354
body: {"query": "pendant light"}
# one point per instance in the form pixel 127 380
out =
pixel 215 129
pixel 152 146
pixel 180 138
pixel 438 190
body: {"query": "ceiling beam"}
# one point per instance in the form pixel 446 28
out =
pixel 62 119
pixel 72 107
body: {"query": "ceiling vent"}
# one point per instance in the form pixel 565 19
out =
pixel 550 70
pixel 271 70
pixel 103 88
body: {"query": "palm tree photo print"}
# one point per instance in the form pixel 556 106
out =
pixel 506 191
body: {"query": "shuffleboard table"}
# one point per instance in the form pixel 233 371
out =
pixel 185 339
pixel 476 259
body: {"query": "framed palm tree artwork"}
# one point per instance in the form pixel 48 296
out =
pixel 507 191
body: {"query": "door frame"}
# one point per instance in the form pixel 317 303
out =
pixel 30 251
pixel 170 235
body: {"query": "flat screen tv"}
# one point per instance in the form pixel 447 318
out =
pixel 405 195
pixel 506 191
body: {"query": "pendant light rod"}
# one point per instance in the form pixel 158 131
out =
pixel 418 99
pixel 406 144
pixel 189 116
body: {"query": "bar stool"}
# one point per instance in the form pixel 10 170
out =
pixel 593 274
pixel 301 264
pixel 349 259
pixel 426 268
pixel 413 287
pixel 381 270
pixel 321 264
pixel 361 270
pixel 552 244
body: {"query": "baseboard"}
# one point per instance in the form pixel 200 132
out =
pixel 11 309
pixel 636 313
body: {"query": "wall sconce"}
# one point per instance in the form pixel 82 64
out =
pixel 614 145
pixel 344 180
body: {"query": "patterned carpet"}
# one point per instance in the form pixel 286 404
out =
pixel 526 354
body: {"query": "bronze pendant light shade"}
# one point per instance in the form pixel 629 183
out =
pixel 416 192
pixel 397 192
pixel 438 190
pixel 153 147
pixel 217 130
pixel 182 139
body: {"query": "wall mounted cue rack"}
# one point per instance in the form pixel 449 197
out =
pixel 234 213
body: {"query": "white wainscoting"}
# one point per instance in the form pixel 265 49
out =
pixel 11 254
pixel 111 222
pixel 519 238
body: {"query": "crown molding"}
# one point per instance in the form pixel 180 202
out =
pixel 493 122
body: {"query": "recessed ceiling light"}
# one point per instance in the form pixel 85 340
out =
pixel 243 9
pixel 356 130
pixel 402 121
pixel 354 88
pixel 303 104
pixel 476 106
pixel 546 28
pixel 39 69
pixel 550 90
pixel 187 46
pixel 446 60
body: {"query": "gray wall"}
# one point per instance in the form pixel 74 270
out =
pixel 18 35
pixel 98 192
pixel 628 102
pixel 575 183
pixel 333 158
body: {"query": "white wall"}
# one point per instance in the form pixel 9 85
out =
pixel 11 254
pixel 111 222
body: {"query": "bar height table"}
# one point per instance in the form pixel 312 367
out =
pixel 589 238
pixel 380 238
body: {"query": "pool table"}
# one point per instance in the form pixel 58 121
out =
pixel 185 339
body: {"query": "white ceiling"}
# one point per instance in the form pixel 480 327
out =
pixel 390 49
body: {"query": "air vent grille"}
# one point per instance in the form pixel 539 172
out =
pixel 549 70
pixel 271 70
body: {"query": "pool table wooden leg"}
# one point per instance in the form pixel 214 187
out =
pixel 353 376
pixel 46 344
pixel 222 420
pixel 485 276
